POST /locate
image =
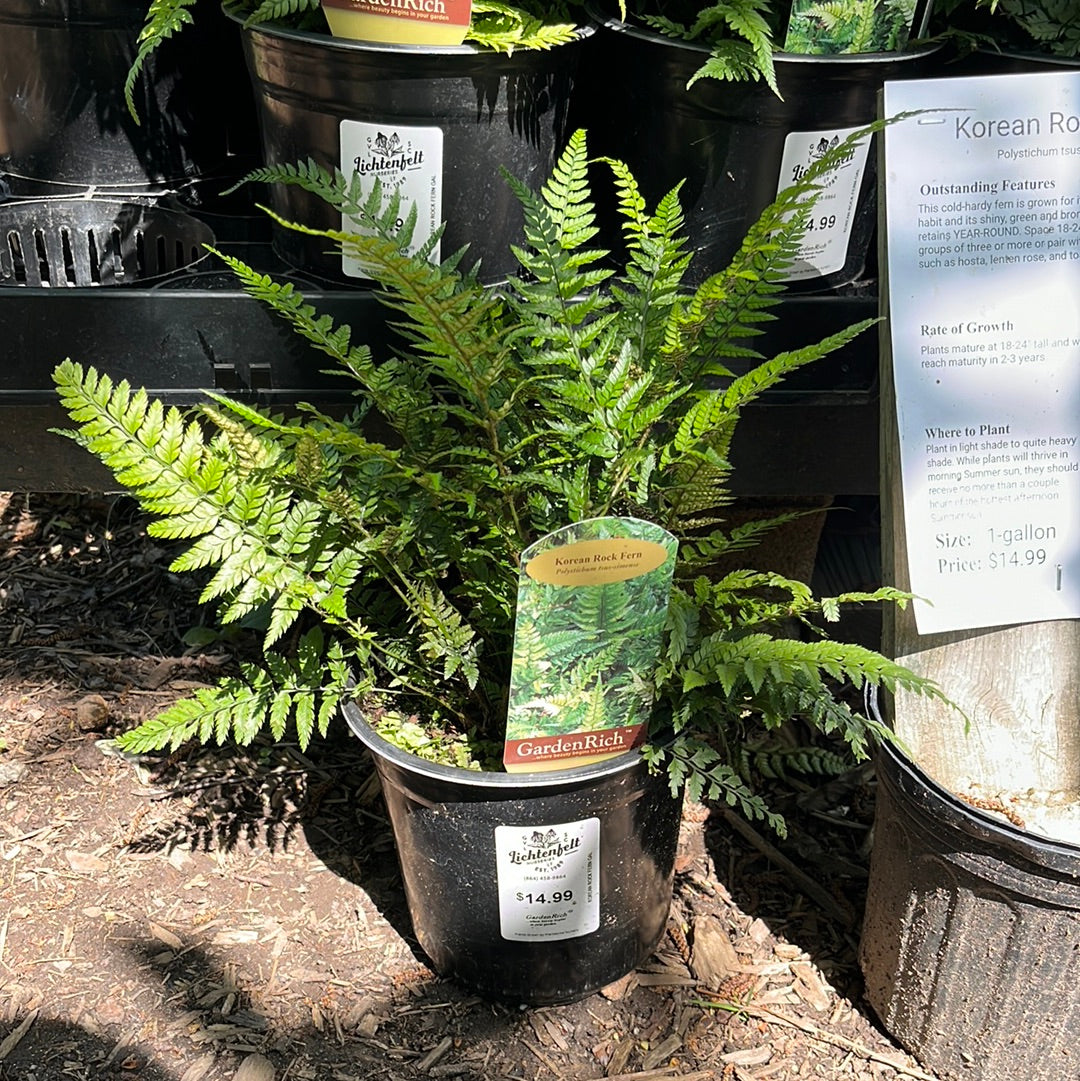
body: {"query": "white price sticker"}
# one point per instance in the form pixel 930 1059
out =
pixel 824 248
pixel 404 158
pixel 548 880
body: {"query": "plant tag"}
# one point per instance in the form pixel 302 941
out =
pixel 548 880
pixel 818 28
pixel 592 606
pixel 823 249
pixel 404 158
pixel 404 22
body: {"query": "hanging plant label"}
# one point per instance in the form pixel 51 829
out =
pixel 405 158
pixel 548 880
pixel 402 22
pixel 824 247
pixel 592 606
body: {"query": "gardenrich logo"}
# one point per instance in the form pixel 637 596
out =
pixel 542 850
pixel 387 156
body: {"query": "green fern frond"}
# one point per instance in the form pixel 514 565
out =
pixel 239 707
pixel 574 391
pixel 750 386
pixel 505 28
pixel 777 763
pixel 164 18
pixel 733 62
pixel 279 10
pixel 697 768
pixel 308 174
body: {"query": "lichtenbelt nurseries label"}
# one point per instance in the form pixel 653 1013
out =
pixel 983 216
pixel 548 880
pixel 404 158
pixel 824 248
pixel 591 610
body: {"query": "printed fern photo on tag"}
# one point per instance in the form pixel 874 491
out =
pixel 828 27
pixel 592 607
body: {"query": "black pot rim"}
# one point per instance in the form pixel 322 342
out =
pixel 645 34
pixel 351 45
pixel 1010 52
pixel 488 781
pixel 939 803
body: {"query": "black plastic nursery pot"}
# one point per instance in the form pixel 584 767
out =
pixel 531 888
pixel 63 118
pixel 736 144
pixel 436 123
pixel 971 940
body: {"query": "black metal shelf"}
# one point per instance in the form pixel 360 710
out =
pixel 198 331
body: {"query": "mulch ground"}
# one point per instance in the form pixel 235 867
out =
pixel 237 913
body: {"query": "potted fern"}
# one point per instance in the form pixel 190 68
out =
pixel 438 121
pixel 738 97
pixel 1031 31
pixel 384 569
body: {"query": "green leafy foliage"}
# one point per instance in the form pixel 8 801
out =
pixel 163 19
pixel 740 35
pixel 1037 26
pixel 503 27
pixel 577 390
pixel 743 35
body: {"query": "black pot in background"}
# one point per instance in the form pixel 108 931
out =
pixel 971 939
pixel 63 118
pixel 1005 61
pixel 467 112
pixel 728 139
pixel 478 850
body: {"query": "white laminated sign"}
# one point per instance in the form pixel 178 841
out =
pixel 983 213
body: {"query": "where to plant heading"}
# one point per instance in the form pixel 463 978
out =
pixel 380 552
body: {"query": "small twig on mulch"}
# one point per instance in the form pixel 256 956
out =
pixel 812 890
pixel 763 1013
pixel 12 1041
pixel 663 1075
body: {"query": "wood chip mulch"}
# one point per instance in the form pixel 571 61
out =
pixel 237 914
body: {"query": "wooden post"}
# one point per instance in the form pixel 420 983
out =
pixel 1019 685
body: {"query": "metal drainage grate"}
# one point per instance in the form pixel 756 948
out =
pixel 79 242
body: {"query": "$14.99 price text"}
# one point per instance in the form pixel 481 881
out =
pixel 556 897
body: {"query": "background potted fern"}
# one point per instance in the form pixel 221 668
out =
pixel 727 97
pixel 1024 32
pixel 436 121
pixel 384 568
